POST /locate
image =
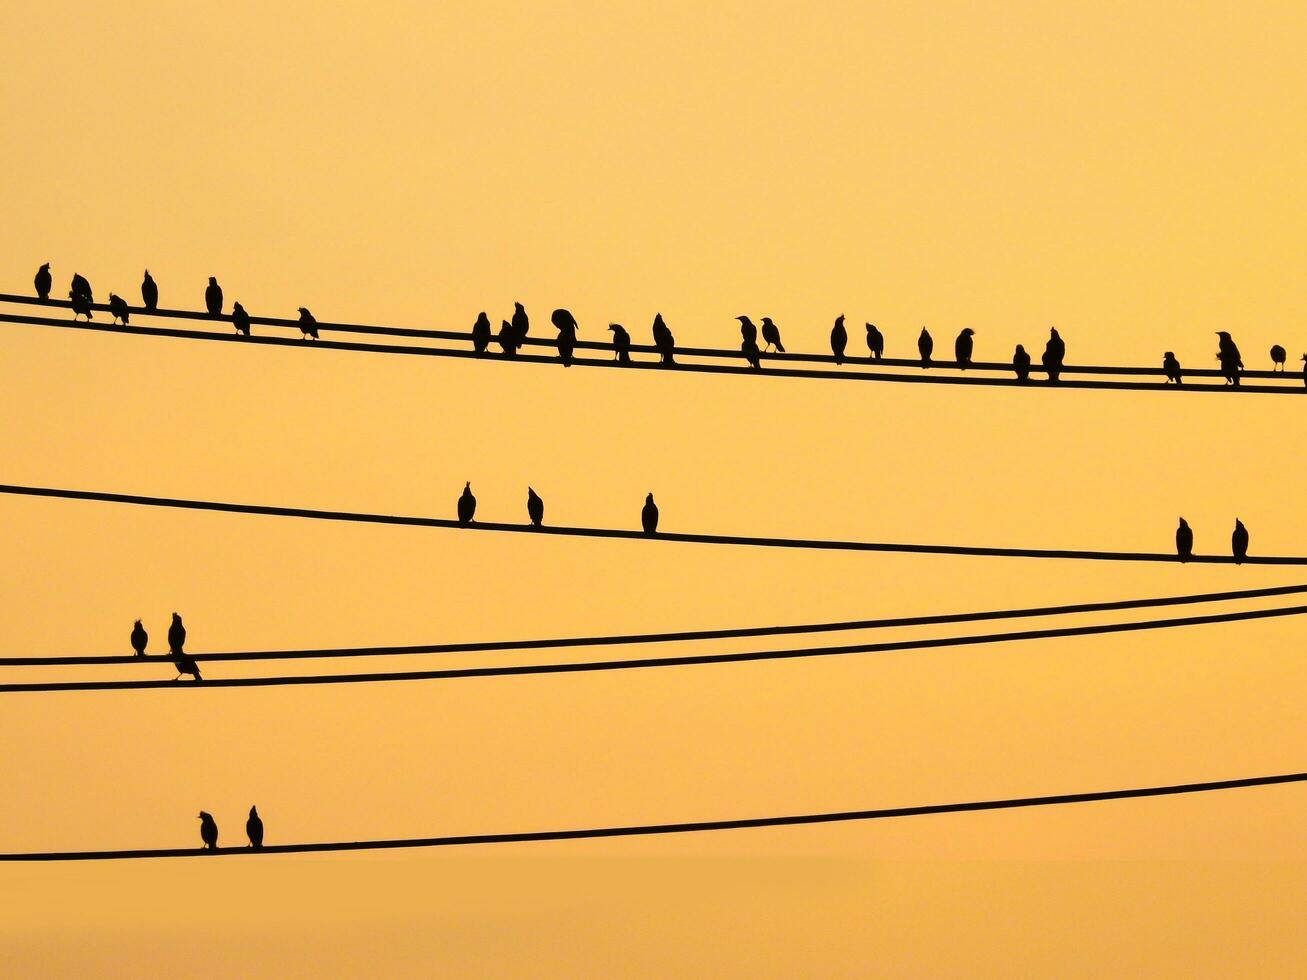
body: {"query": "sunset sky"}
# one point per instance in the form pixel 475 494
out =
pixel 1131 173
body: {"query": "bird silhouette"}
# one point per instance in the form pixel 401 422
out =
pixel 508 341
pixel 467 504
pixel 308 325
pixel 80 304
pixel 1172 368
pixel 535 507
pixel 254 829
pixel 875 342
pixel 43 282
pixel 521 323
pixel 185 664
pixel 140 639
pixel 771 334
pixel 663 340
pixel 747 330
pixel 213 297
pixel 1021 363
pixel 1304 369
pixel 1184 540
pixel 1277 358
pixel 82 287
pixel 208 832
pixel 1239 541
pixel 176 635
pixel 1231 360
pixel 149 292
pixel 751 353
pixel 118 307
pixel 649 516
pixel 925 347
pixel 962 348
pixel 481 333
pixel 240 319
pixel 567 327
pixel 1054 355
pixel 839 339
pixel 621 343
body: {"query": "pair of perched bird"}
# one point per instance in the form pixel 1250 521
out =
pixel 253 830
pixel 184 663
pixel 535 509
pixel 1184 541
pixel 839 341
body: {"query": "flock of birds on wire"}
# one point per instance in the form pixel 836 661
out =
pixel 513 333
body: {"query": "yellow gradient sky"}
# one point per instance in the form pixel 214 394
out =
pixel 1129 172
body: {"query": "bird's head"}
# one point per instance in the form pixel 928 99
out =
pixel 968 331
pixel 1183 522
pixel 138 622
pixel 213 280
pixel 203 816
pixel 1020 349
pixel 1052 331
pixel 767 321
pixel 254 811
pixel 1170 353
pixel 176 618
pixel 743 319
pixel 839 320
pixel 648 497
pixel 45 267
pixel 614 327
pixel 467 485
pixel 519 308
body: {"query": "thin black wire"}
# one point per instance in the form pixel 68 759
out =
pixel 645 830
pixel 266 510
pixel 518 670
pixel 623 639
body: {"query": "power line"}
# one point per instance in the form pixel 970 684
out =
pixel 739 369
pixel 518 670
pixel 357 517
pixel 623 639
pixel 645 830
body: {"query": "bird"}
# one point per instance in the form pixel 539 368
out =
pixel 82 287
pixel 521 323
pixel 208 832
pixel 1021 363
pixel 772 334
pixel 925 346
pixel 1231 361
pixel 186 664
pixel 254 829
pixel 663 340
pixel 875 342
pixel 621 343
pixel 747 330
pixel 140 639
pixel 118 307
pixel 43 281
pixel 1277 357
pixel 1184 540
pixel 751 353
pixel 1171 367
pixel 839 339
pixel 962 348
pixel 1054 355
pixel 649 516
pixel 213 297
pixel 1239 541
pixel 80 304
pixel 567 327
pixel 508 339
pixel 1304 369
pixel 308 325
pixel 176 635
pixel 481 333
pixel 535 507
pixel 240 319
pixel 149 292
pixel 467 504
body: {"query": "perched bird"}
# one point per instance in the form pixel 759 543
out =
pixel 1184 540
pixel 186 664
pixel 467 504
pixel 521 323
pixel 81 305
pixel 1172 368
pixel 535 507
pixel 149 292
pixel 839 339
pixel 176 635
pixel 1304 369
pixel 1228 355
pixel 1277 358
pixel 1239 541
pixel 567 327
pixel 649 516
pixel 481 333
pixel 208 832
pixel 508 339
pixel 663 340
pixel 925 346
pixel 621 343
pixel 751 353
pixel 82 287
pixel 118 307
pixel 43 281
pixel 747 330
pixel 140 639
pixel 213 297
pixel 772 334
pixel 240 319
pixel 962 348
pixel 1054 355
pixel 308 325
pixel 875 342
pixel 176 641
pixel 254 829
pixel 1021 363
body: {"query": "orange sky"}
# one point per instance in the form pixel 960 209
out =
pixel 1130 173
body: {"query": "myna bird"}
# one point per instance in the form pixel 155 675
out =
pixel 508 341
pixel 663 340
pixel 1277 358
pixel 254 829
pixel 535 507
pixel 1229 357
pixel 771 335
pixel 649 516
pixel 176 635
pixel 751 353
pixel 1054 355
pixel 213 297
pixel 875 342
pixel 481 333
pixel 747 330
pixel 208 832
pixel 82 287
pixel 1021 363
pixel 308 325
pixel 118 307
pixel 621 343
pixel 962 348
pixel 1184 540
pixel 43 282
pixel 80 304
pixel 240 319
pixel 1239 541
pixel 839 339
pixel 467 504
pixel 521 322
pixel 567 327
pixel 140 639
pixel 149 292
pixel 925 347
pixel 1171 367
